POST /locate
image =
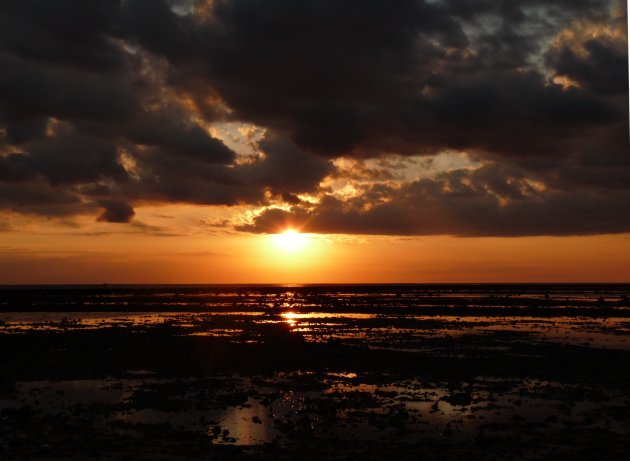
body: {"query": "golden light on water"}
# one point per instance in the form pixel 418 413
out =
pixel 290 318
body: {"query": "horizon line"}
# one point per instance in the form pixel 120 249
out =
pixel 297 285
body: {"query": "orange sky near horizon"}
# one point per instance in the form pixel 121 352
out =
pixel 92 258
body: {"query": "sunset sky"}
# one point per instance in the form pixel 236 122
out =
pixel 157 141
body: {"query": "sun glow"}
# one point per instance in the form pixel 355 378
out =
pixel 290 318
pixel 290 240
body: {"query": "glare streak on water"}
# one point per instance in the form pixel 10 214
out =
pixel 376 329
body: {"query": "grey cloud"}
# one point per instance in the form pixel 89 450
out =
pixel 359 78
pixel 72 158
pixel 40 198
pixel 170 130
pixel 30 89
pixel 285 169
pixel 604 68
pixel 68 32
pixel 16 168
pixel 449 206
pixel 116 211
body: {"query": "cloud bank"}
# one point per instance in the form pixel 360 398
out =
pixel 109 105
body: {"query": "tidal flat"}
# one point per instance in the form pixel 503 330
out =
pixel 315 372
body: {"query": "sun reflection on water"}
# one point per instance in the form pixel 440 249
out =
pixel 290 318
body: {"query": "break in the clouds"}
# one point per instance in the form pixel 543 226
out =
pixel 109 105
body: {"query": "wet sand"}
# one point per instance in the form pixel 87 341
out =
pixel 490 372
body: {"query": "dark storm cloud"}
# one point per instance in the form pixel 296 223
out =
pixel 116 211
pixel 33 89
pixel 154 25
pixel 458 203
pixel 338 75
pixel 65 159
pixel 72 32
pixel 285 169
pixel 16 168
pixel 603 68
pixel 361 76
pixel 40 198
pixel 72 159
pixel 19 131
pixel 107 103
pixel 519 115
pixel 171 131
pixel 512 10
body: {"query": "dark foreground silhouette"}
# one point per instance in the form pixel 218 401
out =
pixel 283 374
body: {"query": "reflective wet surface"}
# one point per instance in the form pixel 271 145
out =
pixel 354 371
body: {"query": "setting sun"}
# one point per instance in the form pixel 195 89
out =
pixel 290 240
